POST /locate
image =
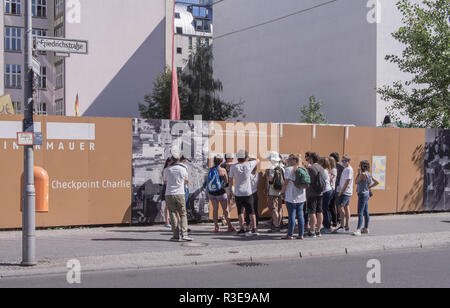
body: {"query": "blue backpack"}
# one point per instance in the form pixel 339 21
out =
pixel 214 182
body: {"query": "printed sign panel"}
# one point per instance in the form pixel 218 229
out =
pixel 61 45
pixel 379 171
pixel 153 142
pixel 437 170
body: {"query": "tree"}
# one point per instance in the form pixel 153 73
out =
pixel 157 105
pixel 311 114
pixel 198 92
pixel 426 34
pixel 203 90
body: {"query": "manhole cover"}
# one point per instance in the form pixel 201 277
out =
pixel 251 264
pixel 233 252
pixel 193 254
pixel 192 244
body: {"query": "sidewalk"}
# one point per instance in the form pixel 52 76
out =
pixel 147 247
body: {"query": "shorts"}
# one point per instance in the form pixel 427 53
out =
pixel 245 203
pixel 218 198
pixel 314 205
pixel 344 200
pixel 275 203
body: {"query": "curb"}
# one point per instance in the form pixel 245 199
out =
pixel 207 256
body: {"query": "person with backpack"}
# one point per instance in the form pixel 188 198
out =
pixel 365 182
pixel 315 195
pixel 240 175
pixel 217 180
pixel 275 181
pixel 294 191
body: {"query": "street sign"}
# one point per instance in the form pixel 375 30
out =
pixel 24 139
pixel 61 45
pixel 36 66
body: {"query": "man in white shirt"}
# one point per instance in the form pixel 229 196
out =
pixel 345 193
pixel 240 175
pixel 175 178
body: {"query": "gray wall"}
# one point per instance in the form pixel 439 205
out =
pixel 126 52
pixel 329 52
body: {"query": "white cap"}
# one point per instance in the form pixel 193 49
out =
pixel 274 156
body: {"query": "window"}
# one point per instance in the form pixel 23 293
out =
pixel 13 76
pixel 12 7
pixel 42 80
pixel 59 31
pixel 17 107
pixel 59 107
pixel 59 7
pixel 40 109
pixel 59 75
pixel 190 42
pixel 177 15
pixel 179 50
pixel 39 8
pixel 179 30
pixel 13 39
pixel 39 32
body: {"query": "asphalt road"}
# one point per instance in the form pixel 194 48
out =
pixel 414 268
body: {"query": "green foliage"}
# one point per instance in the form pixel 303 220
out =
pixel 311 114
pixel 198 92
pixel 426 35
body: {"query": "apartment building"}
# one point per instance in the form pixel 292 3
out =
pixel 193 26
pixel 126 52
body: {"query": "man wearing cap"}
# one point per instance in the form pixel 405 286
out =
pixel 240 174
pixel 175 178
pixel 275 201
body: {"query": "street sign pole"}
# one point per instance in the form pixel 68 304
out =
pixel 29 193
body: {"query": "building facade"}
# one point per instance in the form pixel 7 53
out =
pixel 193 26
pixel 126 52
pixel 275 55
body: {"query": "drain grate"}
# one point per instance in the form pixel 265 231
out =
pixel 193 255
pixel 251 264
pixel 192 244
pixel 233 251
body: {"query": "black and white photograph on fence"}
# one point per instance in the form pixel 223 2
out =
pixel 153 142
pixel 437 170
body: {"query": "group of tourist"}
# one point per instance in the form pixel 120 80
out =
pixel 316 190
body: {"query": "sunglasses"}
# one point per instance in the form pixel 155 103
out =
pixel 345 161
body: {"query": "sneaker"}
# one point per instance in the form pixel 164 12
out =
pixel 232 229
pixel 310 234
pixel 287 238
pixel 254 232
pixel 365 231
pixel 300 237
pixel 241 232
pixel 338 230
pixel 347 229
pixel 318 234
pixel 187 238
pixel 357 233
pixel 175 239
pixel 168 225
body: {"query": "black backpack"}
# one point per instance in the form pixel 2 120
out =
pixel 319 183
pixel 278 179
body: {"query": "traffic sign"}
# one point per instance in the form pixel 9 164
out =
pixel 61 45
pixel 24 139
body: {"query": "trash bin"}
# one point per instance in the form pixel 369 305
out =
pixel 41 184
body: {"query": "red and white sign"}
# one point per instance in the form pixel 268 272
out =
pixel 24 139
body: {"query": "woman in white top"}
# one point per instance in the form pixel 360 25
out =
pixel 327 194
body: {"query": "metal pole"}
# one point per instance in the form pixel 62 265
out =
pixel 29 193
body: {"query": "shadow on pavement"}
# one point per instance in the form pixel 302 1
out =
pixel 128 240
